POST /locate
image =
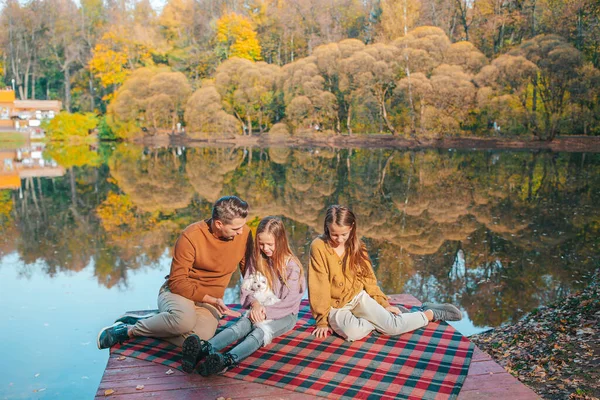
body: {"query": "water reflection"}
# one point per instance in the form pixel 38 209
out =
pixel 497 232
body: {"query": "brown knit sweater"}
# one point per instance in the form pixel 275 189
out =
pixel 203 264
pixel 329 286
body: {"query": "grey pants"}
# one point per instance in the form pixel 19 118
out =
pixel 253 336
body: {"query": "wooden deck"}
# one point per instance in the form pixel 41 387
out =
pixel 486 380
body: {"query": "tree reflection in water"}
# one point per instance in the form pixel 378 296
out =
pixel 497 232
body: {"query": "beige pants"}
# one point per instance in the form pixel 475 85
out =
pixel 178 317
pixel 363 314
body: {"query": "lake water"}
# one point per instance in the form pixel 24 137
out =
pixel 86 234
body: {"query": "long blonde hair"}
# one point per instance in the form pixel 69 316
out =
pixel 274 267
pixel 356 250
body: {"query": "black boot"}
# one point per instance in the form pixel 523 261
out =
pixel 216 363
pixel 193 351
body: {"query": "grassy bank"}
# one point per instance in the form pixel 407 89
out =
pixel 11 140
pixel 555 349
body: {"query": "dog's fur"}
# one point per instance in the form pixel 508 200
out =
pixel 258 285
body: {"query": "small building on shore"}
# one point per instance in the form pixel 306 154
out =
pixel 23 114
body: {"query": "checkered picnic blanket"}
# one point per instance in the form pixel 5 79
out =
pixel 429 363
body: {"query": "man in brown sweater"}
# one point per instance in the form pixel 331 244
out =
pixel 205 257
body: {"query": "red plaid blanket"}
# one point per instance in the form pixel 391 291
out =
pixel 429 363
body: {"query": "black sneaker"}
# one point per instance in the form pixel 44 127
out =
pixel 443 312
pixel 217 363
pixel 193 351
pixel 132 318
pixel 112 335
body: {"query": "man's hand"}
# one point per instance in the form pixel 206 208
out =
pixel 257 312
pixel 322 332
pixel 223 309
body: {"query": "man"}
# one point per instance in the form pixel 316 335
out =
pixel 190 302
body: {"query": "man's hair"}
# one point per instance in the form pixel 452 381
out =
pixel 228 208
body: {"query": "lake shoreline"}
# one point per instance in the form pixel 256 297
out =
pixel 575 144
pixel 553 349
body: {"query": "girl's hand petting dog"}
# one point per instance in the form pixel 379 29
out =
pixel 257 312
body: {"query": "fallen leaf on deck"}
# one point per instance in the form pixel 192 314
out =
pixel 108 392
pixel 170 372
pixel 121 358
pixel 139 387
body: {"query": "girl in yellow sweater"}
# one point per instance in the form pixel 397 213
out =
pixel 343 291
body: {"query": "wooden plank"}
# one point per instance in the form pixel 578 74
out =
pixel 202 393
pixel 512 392
pixel 485 368
pixel 479 355
pixel 485 380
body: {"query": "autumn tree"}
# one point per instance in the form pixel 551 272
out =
pixel 150 98
pixel 397 18
pixel 308 103
pixel 66 126
pixel 125 47
pixel 237 38
pixel 505 91
pixel 64 42
pixel 205 117
pixel 559 65
pixel 21 35
pixel 375 71
pixel 249 91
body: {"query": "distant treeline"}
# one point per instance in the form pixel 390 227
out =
pixel 419 67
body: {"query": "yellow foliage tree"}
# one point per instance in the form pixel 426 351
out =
pixel 398 17
pixel 115 56
pixel 117 214
pixel 66 126
pixel 236 34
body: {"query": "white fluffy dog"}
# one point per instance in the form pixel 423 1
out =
pixel 258 285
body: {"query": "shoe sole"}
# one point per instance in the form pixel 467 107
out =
pixel 189 354
pixel 212 365
pixel 100 333
pixel 130 317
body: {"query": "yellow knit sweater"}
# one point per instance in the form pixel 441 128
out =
pixel 329 286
